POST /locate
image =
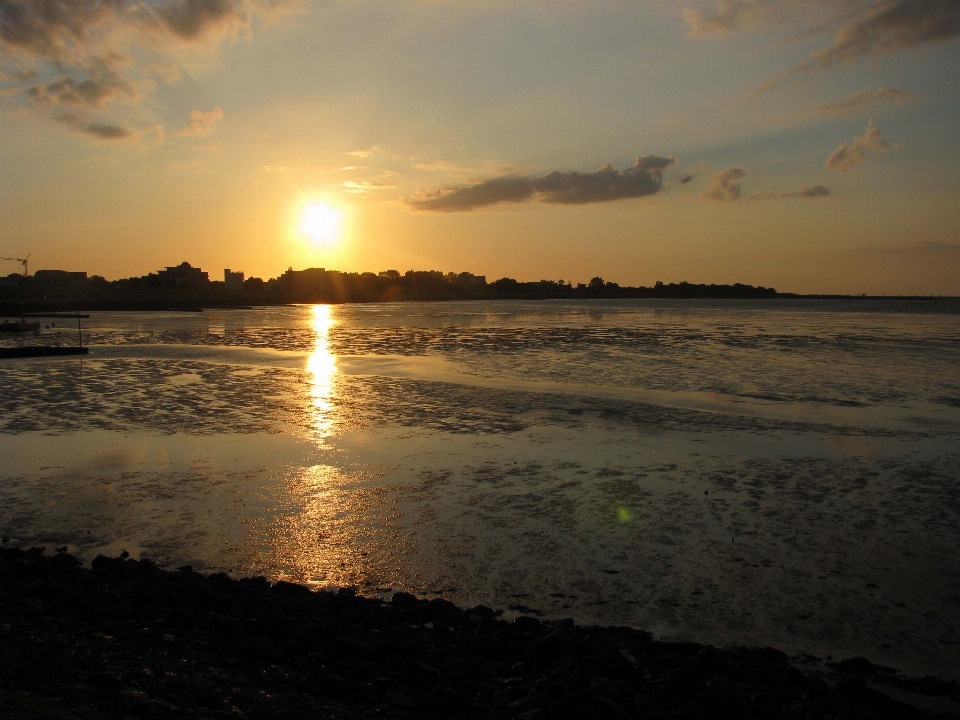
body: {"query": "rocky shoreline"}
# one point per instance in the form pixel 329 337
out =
pixel 128 639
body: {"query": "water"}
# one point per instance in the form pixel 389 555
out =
pixel 762 472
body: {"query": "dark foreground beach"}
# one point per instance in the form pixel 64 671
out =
pixel 127 639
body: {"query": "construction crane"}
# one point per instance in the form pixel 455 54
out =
pixel 22 261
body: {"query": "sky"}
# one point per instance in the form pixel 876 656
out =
pixel 806 145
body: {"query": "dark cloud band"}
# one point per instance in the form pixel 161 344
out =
pixel 810 193
pixel 558 188
pixel 100 131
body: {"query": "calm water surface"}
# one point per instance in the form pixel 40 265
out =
pixel 763 472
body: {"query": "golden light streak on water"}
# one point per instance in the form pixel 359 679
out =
pixel 322 372
pixel 316 533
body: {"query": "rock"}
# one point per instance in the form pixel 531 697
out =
pixel 286 652
pixel 289 588
pixel 525 623
pixel 64 560
pixel 402 599
pixel 482 611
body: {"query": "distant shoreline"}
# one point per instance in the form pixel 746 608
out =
pixel 35 307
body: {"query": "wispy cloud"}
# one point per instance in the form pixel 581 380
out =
pixel 881 28
pixel 891 26
pixel 860 28
pixel 201 123
pixel 359 187
pixel 730 16
pixel 846 156
pixel 733 16
pixel 464 171
pixel 363 153
pixel 811 193
pixel 558 188
pixel 864 100
pixel 100 131
pixel 103 84
pixel 725 185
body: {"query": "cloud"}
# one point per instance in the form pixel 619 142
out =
pixel 201 123
pixel 106 132
pixel 104 52
pixel 575 188
pixel 863 100
pixel 725 185
pixel 363 153
pixel 846 156
pixel 273 168
pixel 730 16
pixel 882 27
pixel 94 92
pixel 891 26
pixel 511 188
pixel 733 16
pixel 686 179
pixel 444 166
pixel 190 19
pixel 98 130
pixel 860 28
pixel 811 192
pixel 814 191
pixel 364 186
pixel 49 28
pixel 556 188
pixel 70 30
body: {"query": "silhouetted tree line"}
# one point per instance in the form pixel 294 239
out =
pixel 321 285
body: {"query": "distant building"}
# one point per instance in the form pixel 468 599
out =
pixel 58 277
pixel 309 279
pixel 233 280
pixel 184 275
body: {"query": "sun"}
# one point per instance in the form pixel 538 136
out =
pixel 321 223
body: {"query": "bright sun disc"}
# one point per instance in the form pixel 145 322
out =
pixel 321 223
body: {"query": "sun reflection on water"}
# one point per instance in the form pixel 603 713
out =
pixel 322 371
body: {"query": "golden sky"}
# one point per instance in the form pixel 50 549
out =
pixel 807 145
